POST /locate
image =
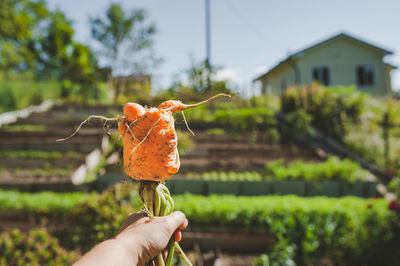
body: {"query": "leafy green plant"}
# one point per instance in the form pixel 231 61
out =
pixel 41 203
pixel 331 169
pixel 347 231
pixel 18 91
pixel 332 109
pixel 199 114
pixel 379 123
pixel 235 120
pixel 216 131
pixel 36 247
pixel 99 217
pixel 226 176
pixel 305 229
pixel 23 127
pixel 245 119
pixel 394 186
pixel 297 123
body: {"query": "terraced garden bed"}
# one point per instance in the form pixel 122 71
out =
pixel 31 158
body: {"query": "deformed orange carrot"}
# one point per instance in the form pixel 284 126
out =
pixel 150 140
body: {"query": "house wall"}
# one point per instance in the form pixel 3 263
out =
pixel 342 56
pixel 278 80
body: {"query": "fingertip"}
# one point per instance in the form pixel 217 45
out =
pixel 182 218
pixel 178 235
pixel 185 224
pixel 177 220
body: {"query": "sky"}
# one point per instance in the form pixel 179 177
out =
pixel 247 37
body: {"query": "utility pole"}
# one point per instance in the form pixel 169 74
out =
pixel 208 43
pixel 208 38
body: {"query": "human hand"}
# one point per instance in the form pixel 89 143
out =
pixel 140 239
pixel 151 236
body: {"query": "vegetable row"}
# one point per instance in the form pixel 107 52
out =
pixel 347 231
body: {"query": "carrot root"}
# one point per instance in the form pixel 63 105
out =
pixel 182 254
pixel 114 119
pixel 186 106
pixel 186 123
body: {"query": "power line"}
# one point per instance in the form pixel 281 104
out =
pixel 244 20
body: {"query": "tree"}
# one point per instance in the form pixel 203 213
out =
pixel 37 40
pixel 19 22
pixel 125 37
pixel 198 82
pixel 55 43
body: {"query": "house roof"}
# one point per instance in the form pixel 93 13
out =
pixel 391 65
pixel 335 37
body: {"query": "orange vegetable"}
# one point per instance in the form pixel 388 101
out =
pixel 150 141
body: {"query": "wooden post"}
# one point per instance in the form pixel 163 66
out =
pixel 385 133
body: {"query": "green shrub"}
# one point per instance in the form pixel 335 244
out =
pixel 199 114
pixel 305 229
pixel 18 91
pixel 37 247
pixel 367 138
pixel 331 169
pixel 98 218
pixel 297 123
pixel 215 131
pixel 331 109
pixel 238 120
pixel 251 118
pixel 245 119
pixel 347 231
pixel 23 127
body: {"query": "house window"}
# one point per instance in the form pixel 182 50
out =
pixel 365 75
pixel 321 74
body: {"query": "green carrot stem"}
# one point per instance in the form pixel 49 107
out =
pixel 171 249
pixel 160 260
pixel 182 254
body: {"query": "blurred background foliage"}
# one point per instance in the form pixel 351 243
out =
pixel 40 60
pixel 38 50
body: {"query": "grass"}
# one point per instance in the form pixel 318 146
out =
pixel 18 91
